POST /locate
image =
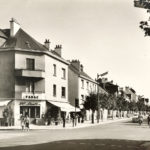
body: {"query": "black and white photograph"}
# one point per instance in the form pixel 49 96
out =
pixel 74 75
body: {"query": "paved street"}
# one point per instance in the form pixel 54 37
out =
pixel 120 135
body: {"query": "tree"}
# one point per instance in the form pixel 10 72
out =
pixel 91 103
pixel 141 104
pixel 8 116
pixel 133 106
pixel 144 25
pixel 103 100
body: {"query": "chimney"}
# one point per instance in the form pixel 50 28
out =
pixel 104 80
pixel 76 64
pixel 14 27
pixel 58 49
pixel 81 67
pixel 47 44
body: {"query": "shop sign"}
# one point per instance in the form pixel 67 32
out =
pixel 29 103
pixel 33 96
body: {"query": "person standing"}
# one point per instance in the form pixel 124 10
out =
pixel 27 122
pixel 22 121
pixel 64 119
pixel 73 119
pixel 148 120
pixel 140 117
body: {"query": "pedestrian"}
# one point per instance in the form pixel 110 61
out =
pixel 140 117
pixel 64 119
pixel 148 120
pixel 22 122
pixel 22 119
pixel 27 122
pixel 73 119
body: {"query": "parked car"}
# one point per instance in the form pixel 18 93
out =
pixel 135 118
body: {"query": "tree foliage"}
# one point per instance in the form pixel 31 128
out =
pixel 144 25
pixel 113 102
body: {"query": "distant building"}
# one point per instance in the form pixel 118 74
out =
pixel 130 94
pixel 108 86
pixel 33 77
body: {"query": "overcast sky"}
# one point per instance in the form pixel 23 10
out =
pixel 103 34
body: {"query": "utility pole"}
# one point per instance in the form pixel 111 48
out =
pixel 98 105
pixel 98 111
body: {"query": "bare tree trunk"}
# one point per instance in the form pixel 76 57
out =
pixel 92 116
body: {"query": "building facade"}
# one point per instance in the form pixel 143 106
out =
pixel 130 94
pixel 33 77
pixel 80 85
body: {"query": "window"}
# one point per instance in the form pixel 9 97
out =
pixel 82 97
pixel 82 82
pixel 54 89
pixel 30 86
pixel 31 111
pixel 30 64
pixel 63 73
pixel 63 91
pixel 54 71
pixel 87 85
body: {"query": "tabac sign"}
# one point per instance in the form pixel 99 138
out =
pixel 29 103
pixel 33 96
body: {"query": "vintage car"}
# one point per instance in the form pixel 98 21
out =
pixel 135 118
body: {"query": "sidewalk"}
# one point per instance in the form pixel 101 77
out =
pixel 68 126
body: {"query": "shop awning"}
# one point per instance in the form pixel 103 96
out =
pixel 64 106
pixel 4 102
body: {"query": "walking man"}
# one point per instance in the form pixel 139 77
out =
pixel 148 120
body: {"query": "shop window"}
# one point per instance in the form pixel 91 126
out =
pixel 31 111
pixel 30 64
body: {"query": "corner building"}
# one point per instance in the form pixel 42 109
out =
pixel 33 78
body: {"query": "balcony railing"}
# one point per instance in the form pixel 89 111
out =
pixel 30 73
pixel 33 95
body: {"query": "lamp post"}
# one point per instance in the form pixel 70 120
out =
pixel 98 111
pixel 98 106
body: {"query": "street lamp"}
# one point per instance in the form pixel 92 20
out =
pixel 98 105
pixel 98 112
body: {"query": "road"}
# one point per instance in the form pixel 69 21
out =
pixel 113 136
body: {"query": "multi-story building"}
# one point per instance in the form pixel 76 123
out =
pixel 33 77
pixel 80 84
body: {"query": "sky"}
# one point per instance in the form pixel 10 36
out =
pixel 103 34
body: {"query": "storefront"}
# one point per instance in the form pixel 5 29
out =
pixel 35 109
pixel 40 111
pixel 56 111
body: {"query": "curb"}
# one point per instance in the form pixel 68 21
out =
pixel 89 124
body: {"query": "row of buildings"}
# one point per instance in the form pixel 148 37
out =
pixel 36 81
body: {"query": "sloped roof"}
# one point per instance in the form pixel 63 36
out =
pixel 4 33
pixel 81 73
pixel 24 41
